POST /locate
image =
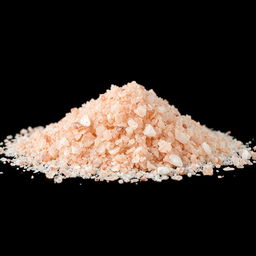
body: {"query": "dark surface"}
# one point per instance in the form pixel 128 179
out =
pixel 205 73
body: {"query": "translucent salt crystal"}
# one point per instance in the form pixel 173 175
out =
pixel 140 111
pixel 163 170
pixel 150 166
pixel 132 124
pixel 164 146
pixel 149 131
pixel 206 148
pixel 63 142
pixel 74 150
pixel 181 136
pixel 161 109
pixel 85 121
pixel 175 160
pixel 245 155
pixel 114 151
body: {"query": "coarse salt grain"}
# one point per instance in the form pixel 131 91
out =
pixel 85 121
pixel 141 111
pixel 207 170
pixel 246 155
pixel 132 124
pixel 228 169
pixel 149 131
pixel 163 170
pixel 206 148
pixel 175 160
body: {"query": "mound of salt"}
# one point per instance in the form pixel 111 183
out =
pixel 129 134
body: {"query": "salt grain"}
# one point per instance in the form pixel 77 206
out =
pixel 163 170
pixel 85 121
pixel 228 169
pixel 246 155
pixel 175 160
pixel 149 131
pixel 206 148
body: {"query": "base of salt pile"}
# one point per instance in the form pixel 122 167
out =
pixel 127 134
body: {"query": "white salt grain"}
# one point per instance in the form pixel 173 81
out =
pixel 132 124
pixel 246 155
pixel 176 177
pixel 85 121
pixel 228 169
pixel 175 160
pixel 140 111
pixel 163 170
pixel 149 131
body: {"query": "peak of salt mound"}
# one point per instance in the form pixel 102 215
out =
pixel 127 133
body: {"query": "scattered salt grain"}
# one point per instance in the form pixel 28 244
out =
pixel 85 121
pixel 163 170
pixel 206 148
pixel 228 169
pixel 208 170
pixel 176 177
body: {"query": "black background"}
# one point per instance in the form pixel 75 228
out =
pixel 205 68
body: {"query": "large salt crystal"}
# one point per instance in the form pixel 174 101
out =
pixel 164 146
pixel 149 131
pixel 206 148
pixel 141 111
pixel 163 170
pixel 132 124
pixel 175 160
pixel 85 121
pixel 245 155
pixel 181 136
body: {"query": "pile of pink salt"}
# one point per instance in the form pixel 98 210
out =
pixel 127 134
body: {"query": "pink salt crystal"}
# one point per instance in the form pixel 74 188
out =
pixel 181 136
pixel 207 170
pixel 150 166
pixel 132 124
pixel 175 160
pixel 164 146
pixel 253 154
pixel 149 131
pixel 141 111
